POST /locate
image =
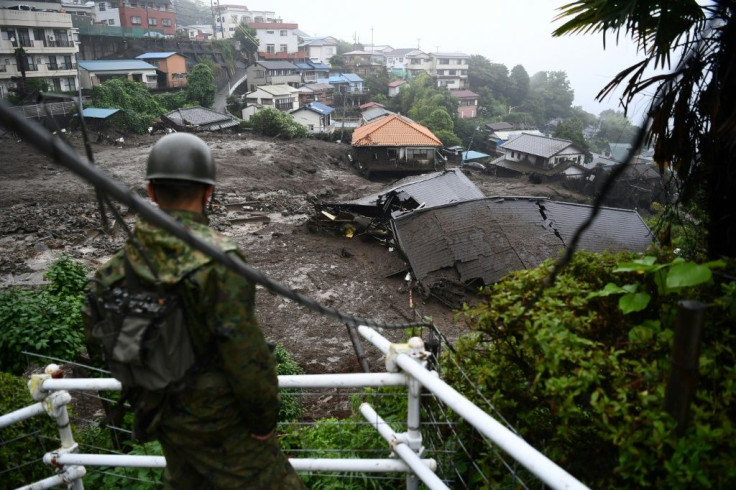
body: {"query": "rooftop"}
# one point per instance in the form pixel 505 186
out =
pixel 537 145
pixel 394 130
pixel 115 65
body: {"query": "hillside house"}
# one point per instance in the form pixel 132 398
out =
pixel 468 103
pixel 273 73
pixel 281 97
pixel 315 92
pixel 319 50
pixel 310 71
pixel 396 144
pixel 315 116
pixel 95 72
pixel 171 68
pixel 395 87
pixel 548 158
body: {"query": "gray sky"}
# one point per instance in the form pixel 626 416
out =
pixel 511 32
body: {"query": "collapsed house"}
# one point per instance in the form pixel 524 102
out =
pixel 193 119
pixel 453 238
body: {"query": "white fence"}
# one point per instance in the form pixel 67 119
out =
pixel 406 365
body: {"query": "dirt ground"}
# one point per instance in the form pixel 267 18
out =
pixel 47 211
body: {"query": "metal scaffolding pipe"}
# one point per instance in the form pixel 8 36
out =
pixel 411 458
pixel 349 380
pixel 21 414
pixel 299 464
pixel 536 462
pixel 71 474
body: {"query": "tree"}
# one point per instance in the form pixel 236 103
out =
pixel 518 85
pixel 484 73
pixel 550 96
pixel 139 107
pixel 693 114
pixel 200 87
pixel 572 130
pixel 377 83
pixel 246 36
pixel 272 122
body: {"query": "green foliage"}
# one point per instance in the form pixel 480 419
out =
pixel 129 478
pixel 550 96
pixel 377 84
pixel 229 53
pixel 272 122
pixel 171 101
pixel 353 436
pixel 247 36
pixel 140 108
pixel 291 407
pixel 200 89
pixel 448 138
pixel 584 380
pixel 22 442
pixel 46 321
pixel 571 130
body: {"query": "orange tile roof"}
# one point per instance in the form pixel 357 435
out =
pixel 394 130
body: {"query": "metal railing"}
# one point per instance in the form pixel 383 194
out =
pixel 407 367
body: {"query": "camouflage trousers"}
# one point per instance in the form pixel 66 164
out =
pixel 235 461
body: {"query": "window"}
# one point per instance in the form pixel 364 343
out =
pixel 152 21
pixel 135 19
pixel 102 6
pixel 246 19
pixel 451 72
pixel 231 29
pixel 111 22
pixel 283 48
pixel 270 49
pixel 259 19
pixel 166 22
pixel 270 32
pixel 282 32
pixel 150 78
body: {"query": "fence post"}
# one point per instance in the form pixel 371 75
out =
pixel 358 347
pixel 684 370
pixel 413 419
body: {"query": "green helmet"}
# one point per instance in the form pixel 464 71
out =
pixel 181 156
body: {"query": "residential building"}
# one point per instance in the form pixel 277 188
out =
pixel 40 44
pixel 80 9
pixel 281 97
pixel 468 108
pixel 95 72
pixel 315 116
pixel 229 16
pixel 316 92
pixel 273 73
pixel 171 68
pixel 545 157
pixel 319 50
pixel 394 87
pixel 450 70
pixel 276 38
pixel 365 62
pixel 310 71
pixel 195 119
pixel 155 16
pixel 198 32
pixel 395 144
pixel 397 60
pixel 108 13
pixel 416 63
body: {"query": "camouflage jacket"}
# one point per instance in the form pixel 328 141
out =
pixel 235 384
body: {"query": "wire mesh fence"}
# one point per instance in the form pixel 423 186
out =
pixel 318 423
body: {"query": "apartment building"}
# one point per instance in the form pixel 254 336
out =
pixel 450 70
pixel 155 16
pixel 37 41
pixel 230 16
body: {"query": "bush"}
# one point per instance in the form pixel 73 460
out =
pixel 46 321
pixel 140 108
pixel 291 407
pixel 273 122
pixel 581 372
pixel 26 441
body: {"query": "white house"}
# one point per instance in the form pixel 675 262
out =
pixel 547 157
pixel 315 116
pixel 450 70
pixel 276 37
pixel 95 72
pixel 230 16
pixel 281 97
pixel 319 50
pixel 107 12
pixel 397 60
pixel 395 87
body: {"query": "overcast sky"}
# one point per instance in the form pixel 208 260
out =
pixel 511 32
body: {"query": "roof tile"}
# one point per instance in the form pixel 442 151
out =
pixel 394 130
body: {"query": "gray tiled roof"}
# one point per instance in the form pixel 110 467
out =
pixel 485 239
pixel 537 145
pixel 201 117
pixel 433 189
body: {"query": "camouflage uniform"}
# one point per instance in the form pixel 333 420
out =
pixel 205 430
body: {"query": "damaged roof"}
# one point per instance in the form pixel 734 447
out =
pixel 200 119
pixel 485 239
pixel 394 130
pixel 433 189
pixel 538 145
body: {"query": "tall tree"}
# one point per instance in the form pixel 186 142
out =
pixel 550 96
pixel 518 85
pixel 200 87
pixel 246 36
pixel 693 116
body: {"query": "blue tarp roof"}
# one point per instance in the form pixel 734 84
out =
pixel 319 108
pixel 473 155
pixel 97 113
pixel 352 77
pixel 155 55
pixel 115 65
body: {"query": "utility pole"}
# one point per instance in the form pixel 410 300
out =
pixel 214 23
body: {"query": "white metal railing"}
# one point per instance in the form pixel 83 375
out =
pixel 406 364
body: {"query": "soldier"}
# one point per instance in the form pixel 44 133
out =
pixel 218 431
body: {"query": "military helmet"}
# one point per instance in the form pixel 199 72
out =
pixel 181 156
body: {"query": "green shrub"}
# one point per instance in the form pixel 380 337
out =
pixel 273 122
pixel 291 407
pixel 130 478
pixel 582 372
pixel 46 321
pixel 22 445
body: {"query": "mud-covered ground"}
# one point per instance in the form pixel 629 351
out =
pixel 47 211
